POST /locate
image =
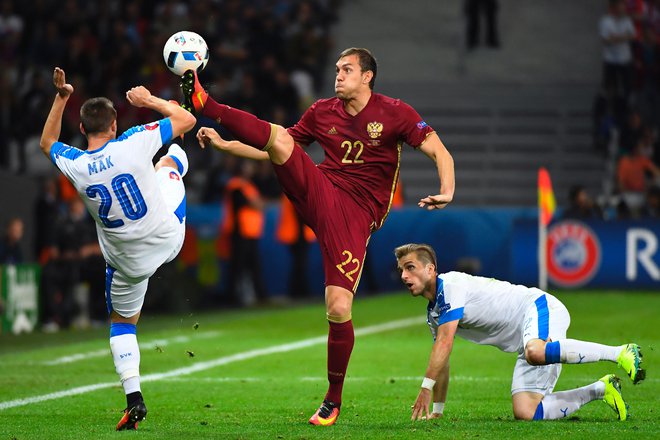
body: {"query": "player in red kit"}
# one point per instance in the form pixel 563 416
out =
pixel 346 197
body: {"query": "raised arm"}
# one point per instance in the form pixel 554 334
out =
pixel 436 151
pixel 208 136
pixel 182 120
pixel 438 364
pixel 53 125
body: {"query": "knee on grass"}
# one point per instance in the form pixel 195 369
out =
pixel 523 413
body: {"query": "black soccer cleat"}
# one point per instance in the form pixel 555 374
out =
pixel 132 416
pixel 194 95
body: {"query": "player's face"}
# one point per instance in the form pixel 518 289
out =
pixel 417 276
pixel 349 79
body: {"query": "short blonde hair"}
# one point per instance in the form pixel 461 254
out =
pixel 424 252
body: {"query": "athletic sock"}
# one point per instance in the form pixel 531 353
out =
pixel 563 403
pixel 180 157
pixel 572 351
pixel 245 127
pixel 133 398
pixel 126 355
pixel 341 339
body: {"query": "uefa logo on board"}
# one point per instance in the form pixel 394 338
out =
pixel 573 254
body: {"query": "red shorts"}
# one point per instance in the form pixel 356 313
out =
pixel 342 226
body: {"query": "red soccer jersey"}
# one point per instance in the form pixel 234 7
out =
pixel 363 152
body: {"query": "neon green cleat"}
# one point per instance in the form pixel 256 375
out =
pixel 629 359
pixel 613 396
pixel 194 95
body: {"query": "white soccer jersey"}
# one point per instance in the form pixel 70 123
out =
pixel 489 311
pixel 118 185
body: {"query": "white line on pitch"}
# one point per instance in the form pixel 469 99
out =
pixel 349 378
pixel 250 354
pixel 150 345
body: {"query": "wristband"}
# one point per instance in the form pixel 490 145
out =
pixel 428 383
pixel 438 407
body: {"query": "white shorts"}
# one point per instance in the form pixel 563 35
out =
pixel 125 294
pixel 546 319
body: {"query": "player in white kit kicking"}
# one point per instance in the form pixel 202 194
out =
pixel 513 318
pixel 139 209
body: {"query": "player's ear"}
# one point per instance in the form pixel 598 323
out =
pixel 82 129
pixel 366 77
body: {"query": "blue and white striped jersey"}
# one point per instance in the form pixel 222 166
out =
pixel 489 311
pixel 118 185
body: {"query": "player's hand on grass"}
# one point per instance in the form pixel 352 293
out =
pixel 434 416
pixel 420 410
pixel 209 137
pixel 59 80
pixel 438 201
pixel 138 96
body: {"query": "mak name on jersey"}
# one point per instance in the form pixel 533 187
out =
pixel 99 165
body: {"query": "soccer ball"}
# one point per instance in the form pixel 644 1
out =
pixel 185 50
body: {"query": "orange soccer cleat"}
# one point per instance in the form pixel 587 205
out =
pixel 194 95
pixel 326 415
pixel 132 416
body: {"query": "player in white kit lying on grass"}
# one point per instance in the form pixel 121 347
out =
pixel 139 209
pixel 513 318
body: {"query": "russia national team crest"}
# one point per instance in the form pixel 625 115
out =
pixel 573 254
pixel 374 129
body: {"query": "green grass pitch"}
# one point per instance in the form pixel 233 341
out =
pixel 260 374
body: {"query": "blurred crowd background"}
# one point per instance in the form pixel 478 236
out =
pixel 271 58
pixel 268 57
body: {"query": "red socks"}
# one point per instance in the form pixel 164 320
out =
pixel 245 127
pixel 340 345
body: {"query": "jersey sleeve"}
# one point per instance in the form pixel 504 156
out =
pixel 152 136
pixel 413 130
pixel 63 155
pixel 303 131
pixel 454 304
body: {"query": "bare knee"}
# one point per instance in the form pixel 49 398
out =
pixel 535 352
pixel 117 318
pixel 525 405
pixel 523 413
pixel 281 146
pixel 166 161
pixel 339 310
pixel 339 303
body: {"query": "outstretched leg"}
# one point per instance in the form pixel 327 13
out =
pixel 535 406
pixel 170 170
pixel 533 397
pixel 545 342
pixel 175 158
pixel 245 127
pixel 573 351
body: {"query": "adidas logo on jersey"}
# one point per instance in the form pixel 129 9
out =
pixel 333 130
